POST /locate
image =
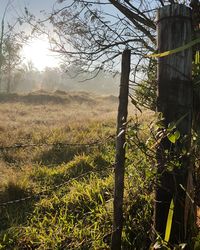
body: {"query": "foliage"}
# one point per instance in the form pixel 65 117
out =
pixel 11 59
pixel 10 47
pixel 146 90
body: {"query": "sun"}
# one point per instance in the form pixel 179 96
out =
pixel 38 51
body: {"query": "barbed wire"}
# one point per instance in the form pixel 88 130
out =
pixel 45 192
pixel 58 144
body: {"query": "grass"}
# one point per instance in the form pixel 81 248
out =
pixel 69 189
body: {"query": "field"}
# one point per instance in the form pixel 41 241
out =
pixel 56 173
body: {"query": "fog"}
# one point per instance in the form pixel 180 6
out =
pixel 28 79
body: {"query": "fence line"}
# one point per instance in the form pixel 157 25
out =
pixel 44 192
pixel 58 144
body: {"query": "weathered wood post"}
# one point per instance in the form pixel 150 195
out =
pixel 175 100
pixel 120 151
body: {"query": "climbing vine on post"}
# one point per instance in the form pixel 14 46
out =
pixel 175 100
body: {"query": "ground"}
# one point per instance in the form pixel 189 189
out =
pixel 57 154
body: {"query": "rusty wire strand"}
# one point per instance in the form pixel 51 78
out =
pixel 38 195
pixel 58 144
pixel 45 192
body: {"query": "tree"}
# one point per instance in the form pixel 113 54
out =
pixel 51 78
pixel 2 39
pixel 9 49
pixel 27 78
pixel 11 58
pixel 94 34
pixel 97 37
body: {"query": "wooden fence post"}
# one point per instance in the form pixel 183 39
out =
pixel 120 151
pixel 175 101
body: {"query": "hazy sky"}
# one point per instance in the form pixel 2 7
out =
pixel 33 5
pixel 36 50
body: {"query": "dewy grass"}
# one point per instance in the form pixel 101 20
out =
pixel 74 208
pixel 68 215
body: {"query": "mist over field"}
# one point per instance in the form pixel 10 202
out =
pixel 29 79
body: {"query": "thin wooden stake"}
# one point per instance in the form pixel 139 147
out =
pixel 120 151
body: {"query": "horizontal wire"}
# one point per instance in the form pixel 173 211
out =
pixel 58 144
pixel 44 192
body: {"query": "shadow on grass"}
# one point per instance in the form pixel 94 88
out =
pixel 82 166
pixel 10 157
pixel 62 166
pixel 15 213
pixel 59 154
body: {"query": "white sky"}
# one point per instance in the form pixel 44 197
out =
pixel 37 51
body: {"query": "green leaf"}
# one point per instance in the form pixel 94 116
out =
pixel 169 221
pixel 173 137
pixel 171 126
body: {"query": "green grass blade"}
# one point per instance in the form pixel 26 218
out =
pixel 197 57
pixel 169 221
